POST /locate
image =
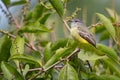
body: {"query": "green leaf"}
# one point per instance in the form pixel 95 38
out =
pixel 108 25
pixel 68 73
pixel 86 55
pixel 17 46
pixel 25 70
pixel 58 5
pixel 5 44
pixel 62 52
pixel 43 19
pixel 108 51
pixel 113 64
pixel 59 44
pixel 34 28
pixel 104 35
pixel 15 3
pixel 113 15
pixel 99 28
pixel 10 72
pixel 104 77
pixel 25 58
pixel 37 12
pixel 47 52
pixel 6 2
pixel 62 43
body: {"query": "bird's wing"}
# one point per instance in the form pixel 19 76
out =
pixel 87 35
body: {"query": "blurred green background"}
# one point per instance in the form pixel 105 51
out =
pixel 90 7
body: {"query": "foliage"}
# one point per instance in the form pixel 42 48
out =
pixel 34 54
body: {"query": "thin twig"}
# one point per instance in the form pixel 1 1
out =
pixel 39 69
pixel 15 22
pixel 65 22
pixel 94 25
pixel 13 36
pixel 74 52
pixel 42 3
pixel 61 60
pixel 35 69
pixel 44 70
pixel 110 42
pixel 6 33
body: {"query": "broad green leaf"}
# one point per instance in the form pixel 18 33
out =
pixel 62 43
pixel 113 64
pixel 68 73
pixel 28 16
pixel 10 72
pixel 55 74
pixel 59 43
pixel 62 52
pixel 117 29
pixel 88 47
pixel 25 70
pixel 37 12
pixel 104 35
pixel 99 28
pixel 108 51
pixel 43 19
pixel 26 58
pixel 36 55
pixel 113 15
pixel 108 25
pixel 15 3
pixel 86 55
pixel 5 44
pixel 34 28
pixel 58 5
pixel 17 46
pixel 47 52
pixel 43 43
pixel 104 77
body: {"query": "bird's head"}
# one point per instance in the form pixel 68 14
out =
pixel 75 22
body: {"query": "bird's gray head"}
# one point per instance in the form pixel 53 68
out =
pixel 76 22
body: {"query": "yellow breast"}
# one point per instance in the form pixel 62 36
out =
pixel 76 36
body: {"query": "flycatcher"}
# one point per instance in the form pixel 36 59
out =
pixel 82 35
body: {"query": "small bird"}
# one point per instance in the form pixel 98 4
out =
pixel 82 34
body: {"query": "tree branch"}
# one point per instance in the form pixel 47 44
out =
pixel 13 36
pixel 65 22
pixel 61 60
